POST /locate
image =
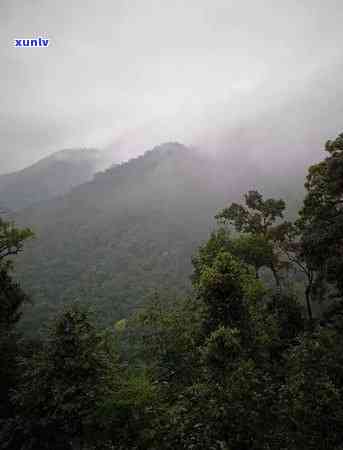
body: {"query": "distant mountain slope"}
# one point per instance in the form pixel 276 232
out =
pixel 117 238
pixel 133 228
pixel 128 232
pixel 49 177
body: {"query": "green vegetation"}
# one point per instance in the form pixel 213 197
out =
pixel 243 363
pixel 12 299
pixel 117 239
pixel 131 231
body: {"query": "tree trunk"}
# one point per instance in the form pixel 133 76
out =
pixel 308 300
pixel 277 279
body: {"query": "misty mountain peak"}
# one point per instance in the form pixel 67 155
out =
pixel 75 154
pixel 49 177
pixel 170 147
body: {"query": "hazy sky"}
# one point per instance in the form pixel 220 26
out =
pixel 119 66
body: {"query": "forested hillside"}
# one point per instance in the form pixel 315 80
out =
pixel 171 225
pixel 131 231
pixel 52 176
pixel 241 363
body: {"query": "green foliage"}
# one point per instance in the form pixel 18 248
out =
pixel 261 233
pixel 320 226
pixel 11 241
pixel 222 347
pixel 262 382
pixel 12 299
pixel 311 399
pixel 235 366
pixel 258 215
pixel 129 232
pixel 62 383
pixel 168 333
pixel 321 218
pixel 253 249
pixel 225 288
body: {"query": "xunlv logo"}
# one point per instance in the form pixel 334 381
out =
pixel 38 42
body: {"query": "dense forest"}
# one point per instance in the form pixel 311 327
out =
pixel 251 358
pixel 130 231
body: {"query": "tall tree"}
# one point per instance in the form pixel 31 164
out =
pixel 258 221
pixel 321 224
pixel 12 298
pixel 63 384
pixel 11 241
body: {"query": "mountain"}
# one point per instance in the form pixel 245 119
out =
pixel 114 240
pixel 133 228
pixel 50 177
pixel 128 232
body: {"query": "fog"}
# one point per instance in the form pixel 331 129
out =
pixel 127 75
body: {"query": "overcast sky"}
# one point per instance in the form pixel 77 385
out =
pixel 114 67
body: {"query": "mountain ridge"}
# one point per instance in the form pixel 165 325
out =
pixel 49 177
